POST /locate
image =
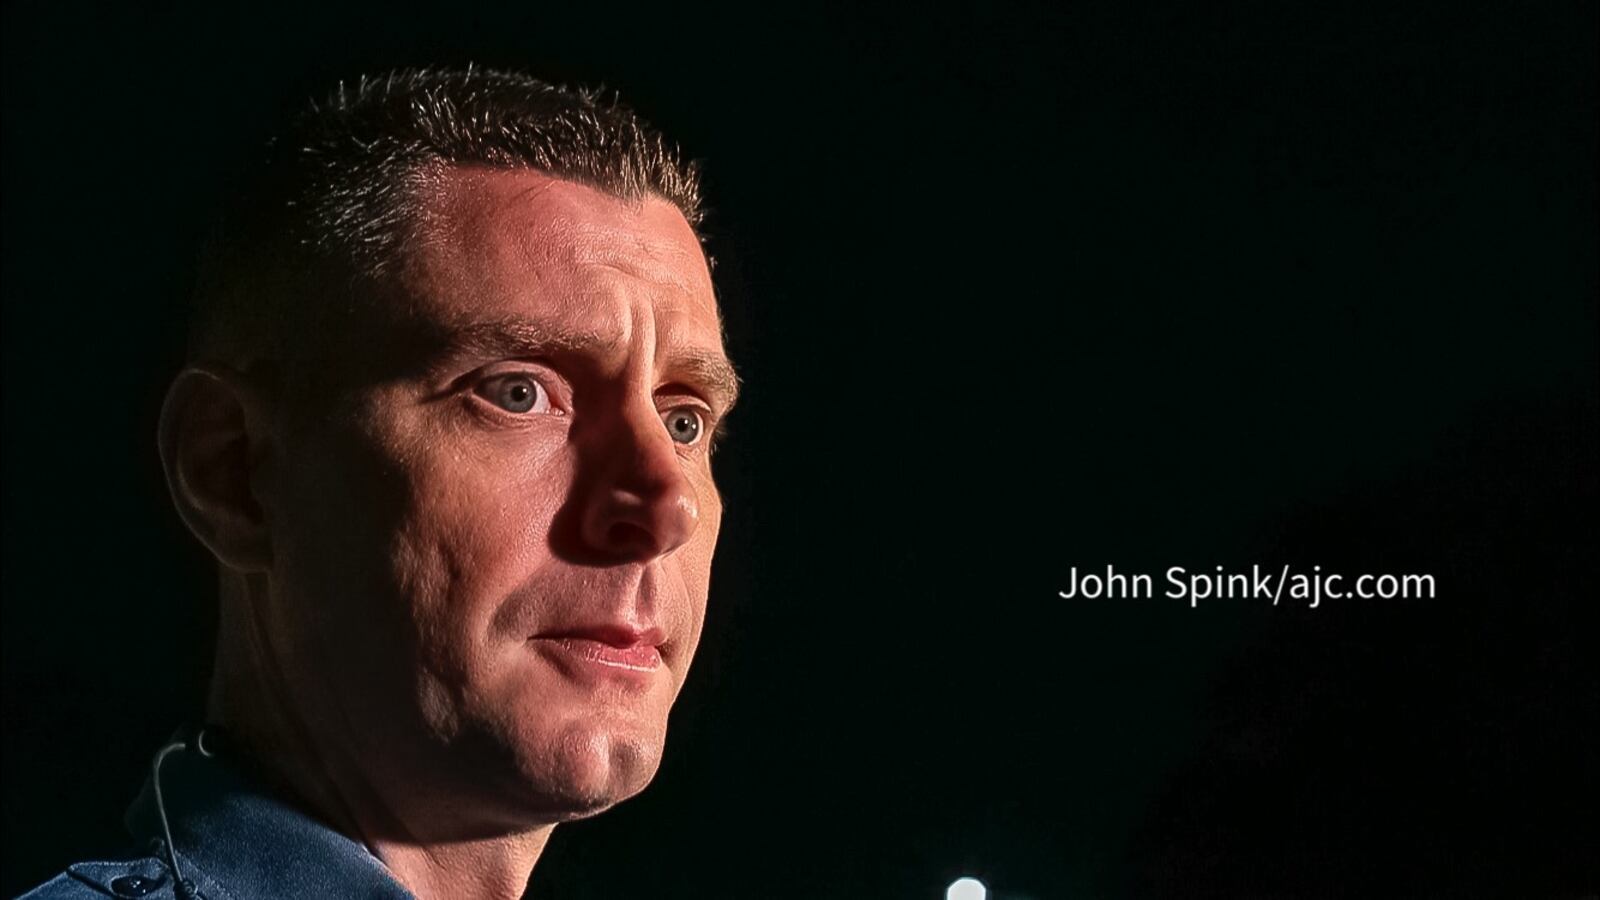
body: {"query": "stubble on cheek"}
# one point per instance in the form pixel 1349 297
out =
pixel 424 576
pixel 422 573
pixel 445 569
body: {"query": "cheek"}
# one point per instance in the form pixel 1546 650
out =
pixel 704 543
pixel 332 516
pixel 474 535
pixel 693 562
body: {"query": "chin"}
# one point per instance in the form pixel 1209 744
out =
pixel 586 769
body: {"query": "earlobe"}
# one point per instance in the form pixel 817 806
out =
pixel 212 439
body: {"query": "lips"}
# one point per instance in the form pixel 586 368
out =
pixel 639 657
pixel 616 647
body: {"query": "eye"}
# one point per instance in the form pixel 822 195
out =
pixel 684 424
pixel 515 392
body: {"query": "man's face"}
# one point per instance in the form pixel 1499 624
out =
pixel 491 557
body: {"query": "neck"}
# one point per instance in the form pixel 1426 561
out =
pixel 415 829
pixel 496 867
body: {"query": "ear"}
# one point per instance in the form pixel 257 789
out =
pixel 213 440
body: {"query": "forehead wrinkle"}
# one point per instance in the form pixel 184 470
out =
pixel 553 220
pixel 555 240
pixel 558 271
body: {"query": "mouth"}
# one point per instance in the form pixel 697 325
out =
pixel 614 648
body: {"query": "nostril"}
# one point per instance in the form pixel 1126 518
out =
pixel 628 536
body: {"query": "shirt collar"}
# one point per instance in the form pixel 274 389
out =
pixel 236 841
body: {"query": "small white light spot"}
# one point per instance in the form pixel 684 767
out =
pixel 966 889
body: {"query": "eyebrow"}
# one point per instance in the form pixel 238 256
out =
pixel 705 370
pixel 515 337
pixel 711 372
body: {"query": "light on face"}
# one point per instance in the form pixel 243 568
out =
pixel 966 889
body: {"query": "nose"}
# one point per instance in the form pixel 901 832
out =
pixel 642 504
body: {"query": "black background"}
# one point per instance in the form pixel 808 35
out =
pixel 1014 288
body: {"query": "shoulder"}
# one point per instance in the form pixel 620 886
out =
pixel 143 877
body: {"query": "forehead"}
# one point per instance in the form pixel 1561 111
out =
pixel 510 244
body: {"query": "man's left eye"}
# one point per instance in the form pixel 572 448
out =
pixel 684 424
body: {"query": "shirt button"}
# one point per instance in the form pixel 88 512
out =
pixel 133 886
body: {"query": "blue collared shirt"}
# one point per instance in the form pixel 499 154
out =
pixel 233 840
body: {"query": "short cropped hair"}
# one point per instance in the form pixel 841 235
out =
pixel 337 199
